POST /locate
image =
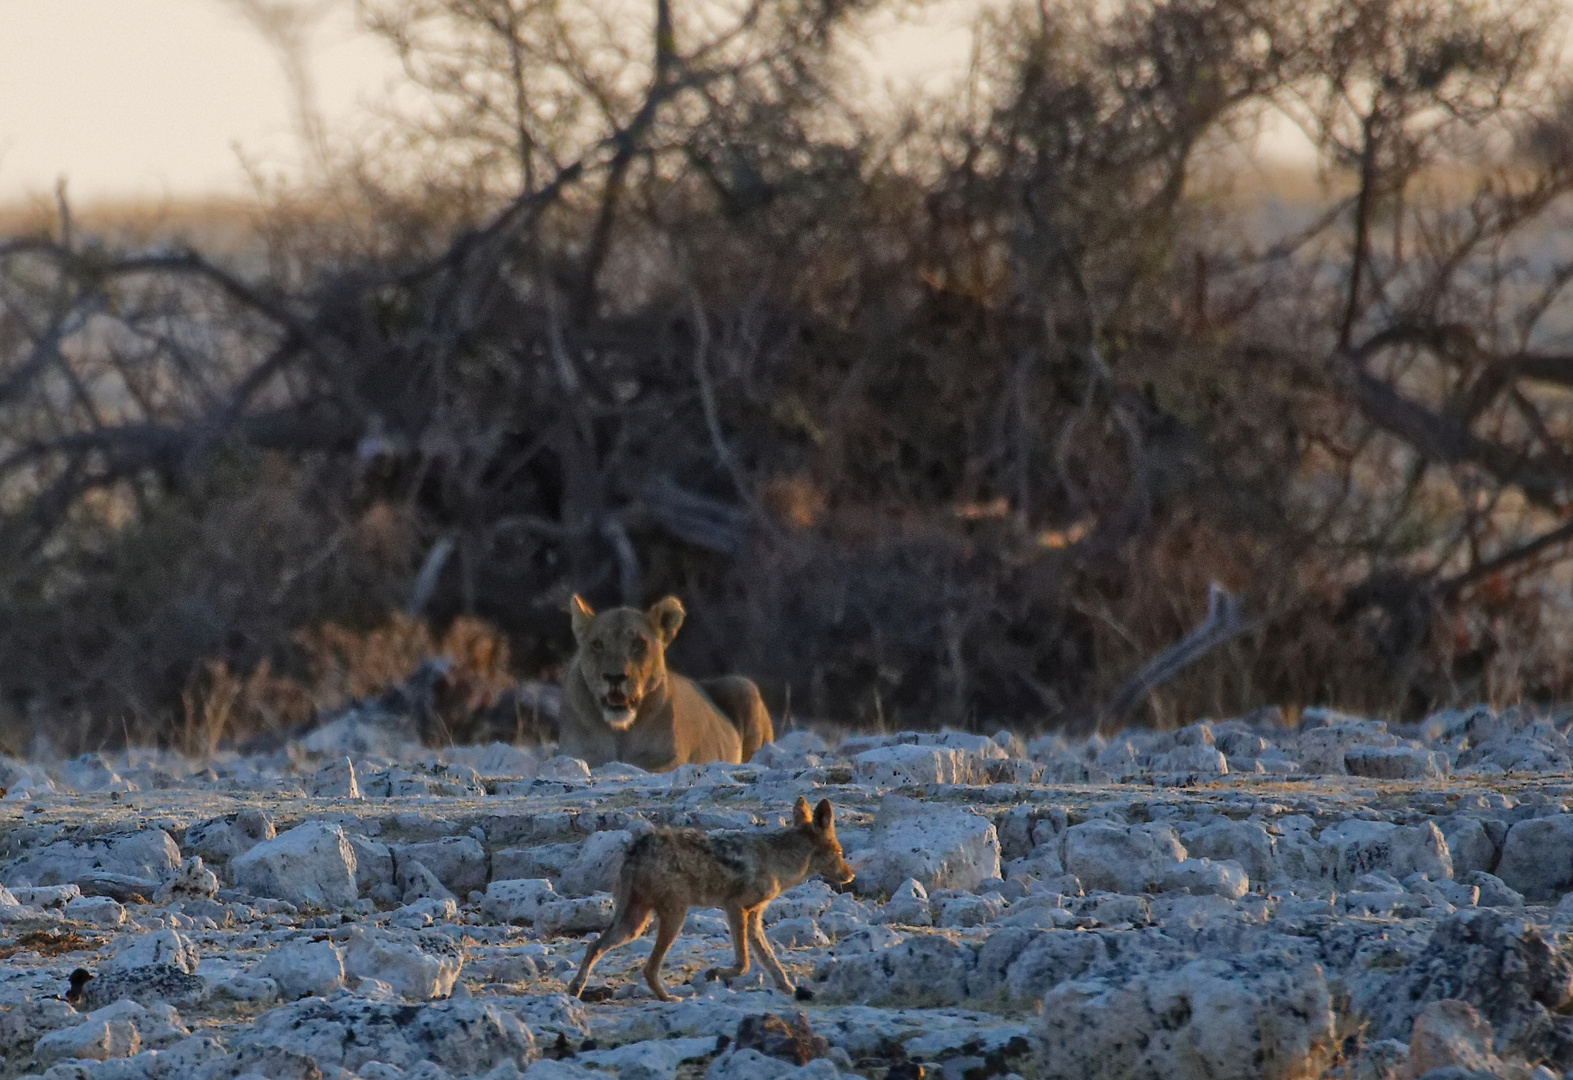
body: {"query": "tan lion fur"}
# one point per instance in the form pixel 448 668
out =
pixel 620 703
pixel 668 871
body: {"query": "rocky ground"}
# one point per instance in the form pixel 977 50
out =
pixel 1241 899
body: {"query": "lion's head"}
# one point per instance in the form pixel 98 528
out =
pixel 622 654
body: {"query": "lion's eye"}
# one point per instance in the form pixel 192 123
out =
pixel 595 646
pixel 638 646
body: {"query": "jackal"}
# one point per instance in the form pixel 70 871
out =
pixel 668 871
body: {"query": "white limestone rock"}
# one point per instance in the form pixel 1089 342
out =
pixel 96 910
pixel 938 846
pixel 416 882
pixel 94 1040
pixel 171 947
pixel 418 965
pixel 576 915
pixel 596 867
pixel 1322 750
pixel 1473 844
pixel 220 839
pixel 336 780
pixel 459 862
pixel 1200 760
pixel 191 881
pixel 1247 843
pixel 149 854
pixel 797 933
pixel 1122 858
pixel 311 865
pixel 1493 891
pixel 563 767
pixel 1537 857
pixel 1206 877
pixel 1258 1016
pixel 905 765
pixel 1354 847
pixel 40 896
pixel 502 761
pixel 922 970
pixel 364 732
pixel 517 900
pixel 1396 763
pixel 465 1038
pixel 752 1065
pixel 908 905
pixel 302 969
pixel 374 865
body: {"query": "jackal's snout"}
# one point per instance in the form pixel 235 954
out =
pixel 826 861
pixel 829 865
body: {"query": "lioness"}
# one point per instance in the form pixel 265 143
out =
pixel 621 704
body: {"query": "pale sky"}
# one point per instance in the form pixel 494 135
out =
pixel 136 99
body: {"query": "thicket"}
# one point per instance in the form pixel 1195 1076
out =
pixel 947 416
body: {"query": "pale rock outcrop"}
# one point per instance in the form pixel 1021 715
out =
pixel 1247 843
pixel 459 862
pixel 1354 847
pixel 1537 857
pixel 1256 1016
pixel 1450 1034
pixel 596 866
pixel 191 881
pixel 303 968
pixel 463 1038
pixel 95 1040
pixel 576 915
pixel 416 882
pixel 220 839
pixel 160 947
pixel 1518 982
pixel 147 854
pixel 311 865
pixel 418 965
pixel 97 910
pixel 336 780
pixel 1122 858
pixel 938 846
pixel 517 900
pixel 1396 763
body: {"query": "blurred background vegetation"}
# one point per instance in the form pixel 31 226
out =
pixel 942 415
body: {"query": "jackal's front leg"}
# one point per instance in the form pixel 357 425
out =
pixel 737 919
pixel 767 955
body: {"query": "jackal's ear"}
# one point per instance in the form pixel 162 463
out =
pixel 823 816
pixel 800 811
pixel 666 615
pixel 582 615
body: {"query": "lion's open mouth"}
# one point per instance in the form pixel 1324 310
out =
pixel 619 709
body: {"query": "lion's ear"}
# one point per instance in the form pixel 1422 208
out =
pixel 800 811
pixel 666 615
pixel 582 615
pixel 824 816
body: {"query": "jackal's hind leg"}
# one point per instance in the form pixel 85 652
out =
pixel 671 921
pixel 629 924
pixel 767 955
